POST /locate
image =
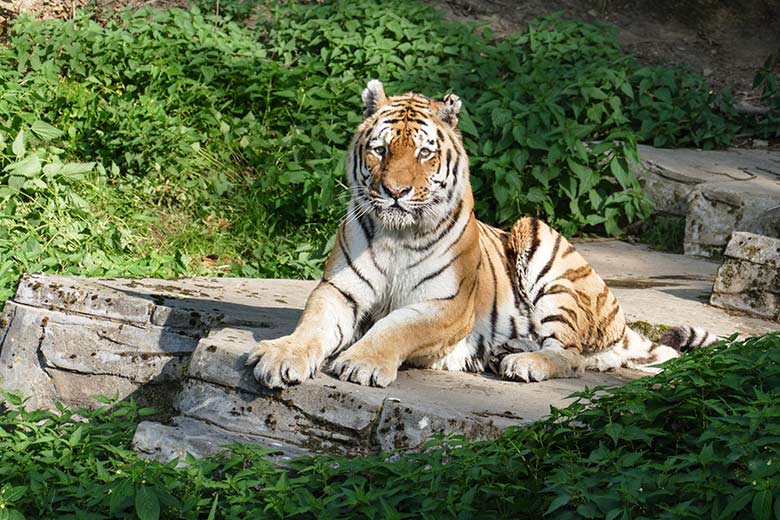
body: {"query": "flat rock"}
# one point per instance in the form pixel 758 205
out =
pixel 326 414
pixel 717 192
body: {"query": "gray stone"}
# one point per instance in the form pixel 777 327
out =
pixel 52 356
pixel 190 437
pixel 70 338
pixel 749 279
pixel 717 192
pixel 717 209
pixel 326 414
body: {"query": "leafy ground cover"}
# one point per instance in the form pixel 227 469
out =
pixel 171 142
pixel 700 440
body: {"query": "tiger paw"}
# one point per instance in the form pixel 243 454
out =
pixel 284 361
pixel 538 366
pixel 367 370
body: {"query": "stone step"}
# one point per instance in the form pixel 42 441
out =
pixel 749 279
pixel 329 415
pixel 717 192
pixel 68 339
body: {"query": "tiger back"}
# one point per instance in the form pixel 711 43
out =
pixel 414 278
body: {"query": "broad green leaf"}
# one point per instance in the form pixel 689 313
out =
pixel 74 169
pixel 18 146
pixel 27 167
pixel 147 505
pixel 762 505
pixel 45 131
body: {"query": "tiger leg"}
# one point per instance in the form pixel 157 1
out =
pixel 327 324
pixel 423 330
pixel 569 305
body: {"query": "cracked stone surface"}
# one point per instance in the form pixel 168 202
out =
pixel 180 346
pixel 717 192
pixel 749 279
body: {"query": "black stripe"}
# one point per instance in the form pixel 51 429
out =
pixel 569 250
pixel 367 225
pixel 689 342
pixel 455 170
pixel 513 325
pixel 347 296
pixel 360 164
pixel 560 319
pixel 438 238
pixel 351 264
pixel 341 335
pixel 438 271
pixel 481 349
pixel 534 243
pixel 452 296
pixel 549 264
pixel 494 311
pixel 557 289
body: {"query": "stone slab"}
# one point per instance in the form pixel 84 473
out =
pixel 195 304
pixel 717 192
pixel 200 439
pixel 326 414
pixel 749 279
pixel 52 356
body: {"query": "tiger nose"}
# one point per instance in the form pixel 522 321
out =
pixel 396 192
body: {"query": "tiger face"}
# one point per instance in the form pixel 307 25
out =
pixel 407 166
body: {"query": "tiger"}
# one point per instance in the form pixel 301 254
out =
pixel 415 279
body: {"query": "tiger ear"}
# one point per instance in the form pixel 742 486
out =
pixel 373 97
pixel 449 108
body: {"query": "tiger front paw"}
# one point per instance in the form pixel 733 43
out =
pixel 284 361
pixel 364 369
pixel 538 366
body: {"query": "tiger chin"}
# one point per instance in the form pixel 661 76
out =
pixel 415 279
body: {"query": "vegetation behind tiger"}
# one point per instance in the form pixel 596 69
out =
pixel 170 143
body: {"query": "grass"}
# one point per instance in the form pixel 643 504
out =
pixel 698 440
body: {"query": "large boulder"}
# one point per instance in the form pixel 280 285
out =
pixel 716 192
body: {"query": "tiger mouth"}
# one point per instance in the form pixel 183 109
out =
pixel 395 216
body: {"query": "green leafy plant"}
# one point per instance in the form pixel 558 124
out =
pixel 674 107
pixel 217 142
pixel 768 80
pixel 698 440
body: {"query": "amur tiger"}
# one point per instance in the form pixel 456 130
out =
pixel 414 278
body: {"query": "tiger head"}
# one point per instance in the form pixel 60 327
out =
pixel 406 165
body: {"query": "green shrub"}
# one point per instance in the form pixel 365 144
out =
pixel 697 441
pixel 675 108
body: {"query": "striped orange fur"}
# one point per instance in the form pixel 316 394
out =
pixel 414 278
